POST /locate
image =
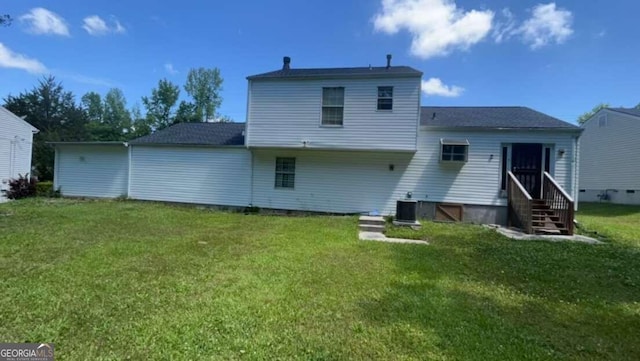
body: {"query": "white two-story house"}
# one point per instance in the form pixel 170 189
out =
pixel 344 140
pixel 610 165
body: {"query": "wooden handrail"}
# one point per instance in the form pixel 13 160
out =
pixel 520 204
pixel 565 194
pixel 517 183
pixel 559 201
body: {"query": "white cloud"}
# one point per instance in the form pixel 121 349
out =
pixel 168 67
pixel 43 21
pixel 505 28
pixel 437 26
pixel 548 24
pixel 435 87
pixel 96 26
pixel 118 28
pixel 10 59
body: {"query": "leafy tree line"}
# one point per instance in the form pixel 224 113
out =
pixel 59 117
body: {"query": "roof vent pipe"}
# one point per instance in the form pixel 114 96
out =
pixel 286 63
pixel 388 61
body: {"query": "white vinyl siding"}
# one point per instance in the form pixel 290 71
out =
pixel 203 175
pixel 92 170
pixel 354 182
pixel 16 138
pixel 287 114
pixel 331 181
pixel 478 181
pixel 609 157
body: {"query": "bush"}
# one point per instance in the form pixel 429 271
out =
pixel 22 187
pixel 44 189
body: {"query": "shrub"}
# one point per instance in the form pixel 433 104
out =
pixel 22 187
pixel 44 189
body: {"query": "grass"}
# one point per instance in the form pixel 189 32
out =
pixel 116 280
pixel 615 222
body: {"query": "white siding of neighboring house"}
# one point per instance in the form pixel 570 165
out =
pixel 610 158
pixel 352 182
pixel 92 170
pixel 203 175
pixel 16 139
pixel 285 113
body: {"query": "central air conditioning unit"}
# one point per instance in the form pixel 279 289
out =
pixel 407 212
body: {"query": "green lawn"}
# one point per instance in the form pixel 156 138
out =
pixel 116 280
pixel 613 222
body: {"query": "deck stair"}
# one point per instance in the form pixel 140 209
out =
pixel 551 214
pixel 545 220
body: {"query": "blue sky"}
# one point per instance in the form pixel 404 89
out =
pixel 561 58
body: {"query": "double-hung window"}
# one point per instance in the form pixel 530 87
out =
pixel 285 172
pixel 385 98
pixel 332 106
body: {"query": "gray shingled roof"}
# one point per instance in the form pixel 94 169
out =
pixel 362 72
pixel 629 111
pixel 490 117
pixel 197 134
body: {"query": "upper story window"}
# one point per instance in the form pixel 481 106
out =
pixel 603 121
pixel 332 106
pixel 385 98
pixel 454 150
pixel 285 172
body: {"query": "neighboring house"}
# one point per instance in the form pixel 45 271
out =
pixel 610 157
pixel 16 139
pixel 341 140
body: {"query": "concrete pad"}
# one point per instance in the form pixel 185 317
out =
pixel 520 236
pixel 380 237
pixel 372 218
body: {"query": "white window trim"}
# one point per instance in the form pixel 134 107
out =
pixel 322 106
pixel 603 120
pixel 454 142
pixel 378 97
pixel 275 182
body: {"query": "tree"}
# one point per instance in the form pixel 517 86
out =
pixel 116 118
pixel 140 126
pixel 186 113
pixel 92 104
pixel 584 117
pixel 5 20
pixel 55 113
pixel 204 86
pixel 160 104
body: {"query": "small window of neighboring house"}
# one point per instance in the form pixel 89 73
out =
pixel 332 106
pixel 603 121
pixel 385 98
pixel 454 150
pixel 285 172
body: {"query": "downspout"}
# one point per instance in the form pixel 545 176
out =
pixel 576 170
pixel 246 142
